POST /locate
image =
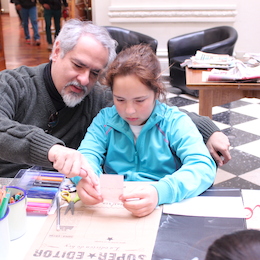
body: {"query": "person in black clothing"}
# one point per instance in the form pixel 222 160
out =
pixel 29 10
pixel 52 9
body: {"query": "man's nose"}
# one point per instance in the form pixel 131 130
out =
pixel 83 78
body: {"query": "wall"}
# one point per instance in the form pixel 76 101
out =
pixel 168 18
pixel 8 8
pixel 5 6
pixel 12 10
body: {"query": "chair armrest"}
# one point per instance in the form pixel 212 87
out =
pixel 223 47
pixel 185 45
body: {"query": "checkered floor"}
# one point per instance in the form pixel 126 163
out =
pixel 240 121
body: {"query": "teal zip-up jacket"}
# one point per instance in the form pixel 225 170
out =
pixel 169 151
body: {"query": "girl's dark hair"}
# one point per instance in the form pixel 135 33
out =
pixel 141 61
pixel 241 245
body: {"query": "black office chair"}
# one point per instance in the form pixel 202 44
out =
pixel 219 40
pixel 127 38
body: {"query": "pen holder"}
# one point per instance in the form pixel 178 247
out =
pixel 4 236
pixel 17 214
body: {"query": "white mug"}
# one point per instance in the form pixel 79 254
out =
pixel 4 236
pixel 17 215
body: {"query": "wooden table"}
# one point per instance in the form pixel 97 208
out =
pixel 218 93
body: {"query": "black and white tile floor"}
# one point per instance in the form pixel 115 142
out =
pixel 240 121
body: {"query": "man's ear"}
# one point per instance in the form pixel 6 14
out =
pixel 55 51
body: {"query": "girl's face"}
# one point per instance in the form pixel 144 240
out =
pixel 134 101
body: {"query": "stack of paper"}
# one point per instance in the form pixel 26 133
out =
pixel 209 60
pixel 255 56
pixel 240 72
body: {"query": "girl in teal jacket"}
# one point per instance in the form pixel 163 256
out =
pixel 144 139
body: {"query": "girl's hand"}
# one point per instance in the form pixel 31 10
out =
pixel 89 194
pixel 141 201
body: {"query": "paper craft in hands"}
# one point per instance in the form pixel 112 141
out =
pixel 111 186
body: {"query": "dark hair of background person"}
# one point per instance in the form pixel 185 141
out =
pixel 240 245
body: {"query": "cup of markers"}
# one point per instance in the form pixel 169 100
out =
pixel 4 199
pixel 4 236
pixel 4 226
pixel 17 216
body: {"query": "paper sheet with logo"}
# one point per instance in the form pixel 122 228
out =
pixel 104 231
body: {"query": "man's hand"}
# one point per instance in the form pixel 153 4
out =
pixel 141 201
pixel 46 6
pixel 71 163
pixel 218 145
pixel 18 7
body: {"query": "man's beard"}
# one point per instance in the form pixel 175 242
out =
pixel 71 99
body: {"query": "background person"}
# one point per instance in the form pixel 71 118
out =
pixel 240 245
pixel 28 11
pixel 52 9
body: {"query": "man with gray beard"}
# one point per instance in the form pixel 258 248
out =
pixel 45 110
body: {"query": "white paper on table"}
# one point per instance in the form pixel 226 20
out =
pixel 208 206
pixel 111 186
